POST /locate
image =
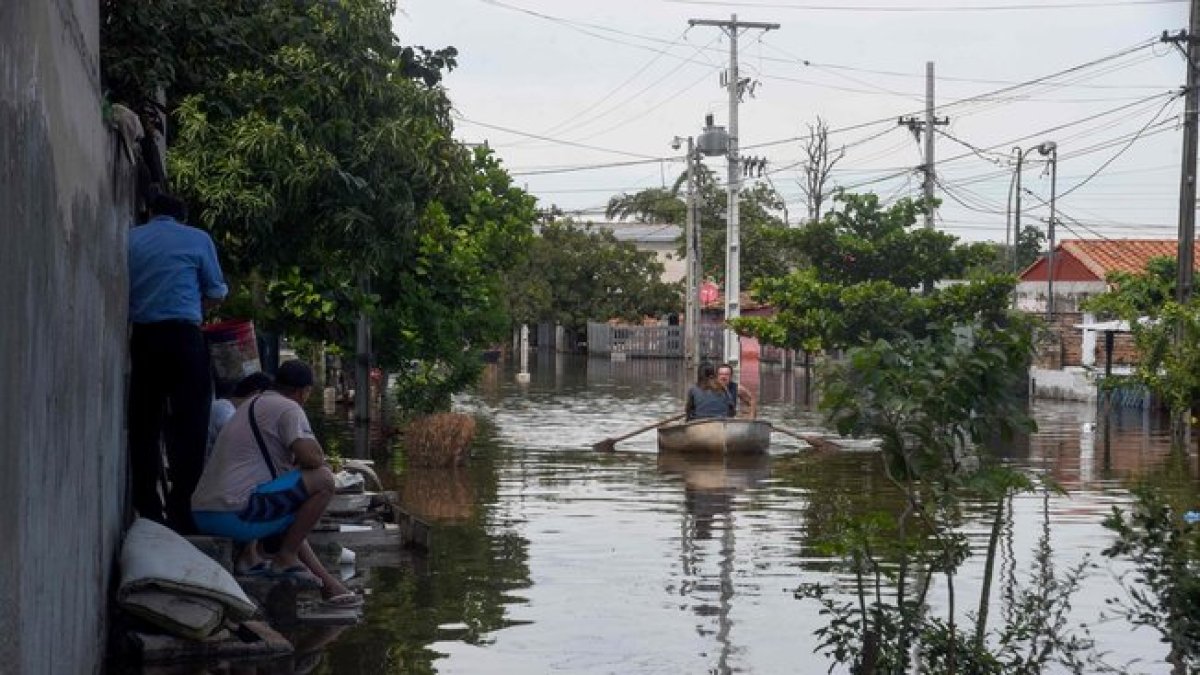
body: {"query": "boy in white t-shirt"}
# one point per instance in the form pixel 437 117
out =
pixel 267 476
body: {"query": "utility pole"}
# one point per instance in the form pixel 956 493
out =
pixel 733 28
pixel 691 233
pixel 926 126
pixel 1187 186
pixel 362 376
pixel 1187 179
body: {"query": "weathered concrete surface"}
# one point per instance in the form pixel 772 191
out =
pixel 62 340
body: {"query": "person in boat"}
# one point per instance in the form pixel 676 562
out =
pixel 708 398
pixel 268 477
pixel 736 395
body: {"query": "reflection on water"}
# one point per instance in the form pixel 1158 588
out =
pixel 548 557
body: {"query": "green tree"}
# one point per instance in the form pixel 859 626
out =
pixel 319 153
pixel 760 227
pixel 1165 332
pixel 1137 295
pixel 575 274
pixel 865 265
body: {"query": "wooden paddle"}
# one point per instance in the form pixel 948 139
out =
pixel 817 442
pixel 609 444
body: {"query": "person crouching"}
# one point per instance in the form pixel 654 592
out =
pixel 267 476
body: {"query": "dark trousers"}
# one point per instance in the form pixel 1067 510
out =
pixel 170 395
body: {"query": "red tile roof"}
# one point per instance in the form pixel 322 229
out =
pixel 1102 256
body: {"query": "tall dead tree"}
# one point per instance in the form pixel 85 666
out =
pixel 819 161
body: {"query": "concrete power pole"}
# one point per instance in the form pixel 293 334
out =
pixel 1187 179
pixel 691 319
pixel 926 127
pixel 733 28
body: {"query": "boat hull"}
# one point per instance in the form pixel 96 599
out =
pixel 716 436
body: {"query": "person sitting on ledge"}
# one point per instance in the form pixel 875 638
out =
pixel 267 477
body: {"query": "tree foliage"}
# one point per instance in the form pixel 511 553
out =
pixel 759 226
pixel 1166 333
pixel 1164 594
pixel 865 264
pixel 574 274
pixel 318 151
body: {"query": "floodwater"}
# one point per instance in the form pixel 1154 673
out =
pixel 550 558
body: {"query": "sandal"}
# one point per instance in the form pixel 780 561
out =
pixel 261 568
pixel 299 574
pixel 346 600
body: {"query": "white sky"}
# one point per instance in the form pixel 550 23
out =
pixel 627 76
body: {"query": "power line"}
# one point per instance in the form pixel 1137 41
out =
pixel 559 141
pixel 591 167
pixel 929 8
pixel 564 124
pixel 1120 152
pixel 1038 80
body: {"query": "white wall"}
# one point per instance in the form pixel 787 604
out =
pixel 1031 295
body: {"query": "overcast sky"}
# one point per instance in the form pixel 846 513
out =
pixel 623 77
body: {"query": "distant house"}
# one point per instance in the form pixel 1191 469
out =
pixel 1080 268
pixel 660 239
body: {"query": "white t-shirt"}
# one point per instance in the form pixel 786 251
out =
pixel 222 411
pixel 237 465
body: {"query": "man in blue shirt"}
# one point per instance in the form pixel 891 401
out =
pixel 174 276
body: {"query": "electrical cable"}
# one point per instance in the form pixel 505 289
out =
pixel 927 8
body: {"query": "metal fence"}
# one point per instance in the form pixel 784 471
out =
pixel 650 342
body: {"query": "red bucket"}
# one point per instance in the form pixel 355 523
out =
pixel 232 349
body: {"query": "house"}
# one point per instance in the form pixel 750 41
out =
pixel 1068 365
pixel 1081 266
pixel 658 238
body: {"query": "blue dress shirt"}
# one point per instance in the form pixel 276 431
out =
pixel 171 266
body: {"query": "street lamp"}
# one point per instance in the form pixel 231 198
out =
pixel 1044 148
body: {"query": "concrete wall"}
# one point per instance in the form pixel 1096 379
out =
pixel 1068 295
pixel 63 304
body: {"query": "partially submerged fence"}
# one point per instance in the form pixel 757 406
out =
pixel 650 342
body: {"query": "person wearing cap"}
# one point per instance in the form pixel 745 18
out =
pixel 267 477
pixel 174 276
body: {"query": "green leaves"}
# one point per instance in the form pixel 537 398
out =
pixel 1164 593
pixel 867 267
pixel 575 274
pixel 317 150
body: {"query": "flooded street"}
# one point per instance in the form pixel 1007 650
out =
pixel 549 557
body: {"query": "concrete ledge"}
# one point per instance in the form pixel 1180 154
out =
pixel 1068 384
pixel 252 639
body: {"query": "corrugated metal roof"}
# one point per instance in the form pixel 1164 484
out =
pixel 642 232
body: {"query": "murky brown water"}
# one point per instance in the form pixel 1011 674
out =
pixel 548 557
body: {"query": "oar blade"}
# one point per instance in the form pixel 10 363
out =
pixel 606 445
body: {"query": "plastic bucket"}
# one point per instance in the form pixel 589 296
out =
pixel 232 350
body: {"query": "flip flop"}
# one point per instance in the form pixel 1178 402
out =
pixel 346 600
pixel 261 568
pixel 299 574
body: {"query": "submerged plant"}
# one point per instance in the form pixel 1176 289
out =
pixel 937 402
pixel 1164 591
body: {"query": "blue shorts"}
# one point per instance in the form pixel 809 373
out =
pixel 270 511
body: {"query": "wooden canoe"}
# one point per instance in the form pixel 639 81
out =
pixel 719 436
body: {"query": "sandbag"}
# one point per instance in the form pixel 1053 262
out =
pixel 154 557
pixel 187 616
